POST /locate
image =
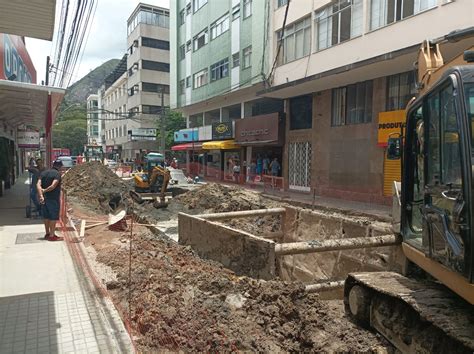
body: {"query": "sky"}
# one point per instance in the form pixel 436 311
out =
pixel 107 38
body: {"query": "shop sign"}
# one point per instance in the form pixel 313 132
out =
pixel 390 122
pixel 142 134
pixel 257 129
pixel 28 139
pixel 221 131
pixel 186 135
pixel 15 62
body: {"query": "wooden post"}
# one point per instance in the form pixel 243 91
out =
pixel 330 285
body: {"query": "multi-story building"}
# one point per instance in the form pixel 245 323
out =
pixel 346 72
pixel 133 95
pixel 220 57
pixel 148 67
pixel 93 125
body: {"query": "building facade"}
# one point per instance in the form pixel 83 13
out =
pixel 221 54
pixel 346 72
pixel 94 134
pixel 134 93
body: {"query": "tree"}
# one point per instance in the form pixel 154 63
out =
pixel 174 122
pixel 70 134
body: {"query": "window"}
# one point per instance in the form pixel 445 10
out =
pixel 220 26
pixel 155 65
pixel 281 3
pixel 200 40
pixel 182 52
pixel 188 46
pixel 301 112
pixel 352 104
pixel 181 87
pixel 147 109
pixel 200 78
pixel 158 88
pixel 235 60
pixel 182 17
pixel 197 4
pixel 296 41
pixel 220 69
pixel 247 57
pixel 247 8
pixel 235 12
pixel 338 22
pixel 155 43
pixel 384 12
pixel 188 81
pixel 400 89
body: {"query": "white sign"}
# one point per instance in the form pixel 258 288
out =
pixel 142 134
pixel 28 139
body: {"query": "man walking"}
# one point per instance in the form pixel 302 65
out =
pixel 35 175
pixel 275 167
pixel 49 192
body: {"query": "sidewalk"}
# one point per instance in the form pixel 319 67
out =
pixel 47 305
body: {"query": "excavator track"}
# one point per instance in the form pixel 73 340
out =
pixel 415 316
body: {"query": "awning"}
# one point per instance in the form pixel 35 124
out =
pixel 28 18
pixel 187 146
pixel 220 145
pixel 23 103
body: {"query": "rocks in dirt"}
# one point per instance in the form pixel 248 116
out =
pixel 184 303
pixel 94 185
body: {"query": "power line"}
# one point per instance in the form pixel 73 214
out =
pixel 280 43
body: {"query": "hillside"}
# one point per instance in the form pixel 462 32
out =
pixel 89 84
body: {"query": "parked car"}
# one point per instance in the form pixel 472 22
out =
pixel 74 160
pixel 112 163
pixel 67 161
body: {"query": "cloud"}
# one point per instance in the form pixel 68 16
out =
pixel 107 38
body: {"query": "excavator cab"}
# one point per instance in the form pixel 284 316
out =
pixel 437 186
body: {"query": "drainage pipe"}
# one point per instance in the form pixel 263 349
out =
pixel 330 285
pixel 336 244
pixel 242 214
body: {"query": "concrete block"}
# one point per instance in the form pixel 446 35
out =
pixel 237 250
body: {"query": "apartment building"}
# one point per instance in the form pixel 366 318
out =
pixel 220 56
pixel 134 93
pixel 93 124
pixel 346 72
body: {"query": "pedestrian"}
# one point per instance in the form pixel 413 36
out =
pixel 266 164
pixel 49 193
pixel 275 167
pixel 35 175
pixel 259 165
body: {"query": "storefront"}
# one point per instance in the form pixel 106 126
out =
pixel 391 124
pixel 262 137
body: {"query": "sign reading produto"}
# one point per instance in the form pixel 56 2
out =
pixel 264 128
pixel 142 134
pixel 28 139
pixel 222 131
pixel 390 123
pixel 15 62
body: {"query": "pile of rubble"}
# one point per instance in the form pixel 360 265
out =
pixel 182 302
pixel 95 186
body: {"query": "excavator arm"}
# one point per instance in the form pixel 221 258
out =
pixel 156 172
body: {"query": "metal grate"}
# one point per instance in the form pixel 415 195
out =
pixel 31 237
pixel 299 156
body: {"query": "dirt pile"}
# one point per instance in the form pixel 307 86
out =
pixel 94 185
pixel 220 198
pixel 181 302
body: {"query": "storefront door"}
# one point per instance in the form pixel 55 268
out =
pixel 299 166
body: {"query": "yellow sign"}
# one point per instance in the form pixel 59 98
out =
pixel 222 128
pixel 389 123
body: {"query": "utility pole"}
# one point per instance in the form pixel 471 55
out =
pixel 163 123
pixel 47 70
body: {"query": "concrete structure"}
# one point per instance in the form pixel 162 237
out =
pixel 131 97
pixel 94 133
pixel 342 83
pixel 221 54
pixel 148 67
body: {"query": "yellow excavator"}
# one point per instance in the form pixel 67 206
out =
pixel 151 185
pixel 431 312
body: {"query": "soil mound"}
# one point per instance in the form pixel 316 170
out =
pixel 220 198
pixel 183 303
pixel 94 185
